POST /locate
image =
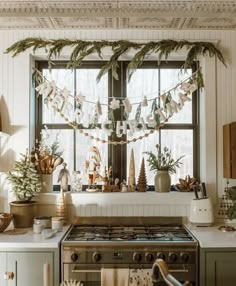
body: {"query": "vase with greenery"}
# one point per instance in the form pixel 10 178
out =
pixel 26 184
pixel 47 157
pixel 164 165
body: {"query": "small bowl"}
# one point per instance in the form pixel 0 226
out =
pixel 5 219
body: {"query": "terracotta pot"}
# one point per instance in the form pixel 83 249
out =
pixel 23 213
pixel 162 181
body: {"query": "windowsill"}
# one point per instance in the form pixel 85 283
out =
pixel 129 198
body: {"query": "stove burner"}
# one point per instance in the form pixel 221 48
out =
pixel 153 233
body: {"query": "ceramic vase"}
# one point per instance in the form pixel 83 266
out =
pixel 46 180
pixel 162 181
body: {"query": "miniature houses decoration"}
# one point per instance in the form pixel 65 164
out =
pixel 142 180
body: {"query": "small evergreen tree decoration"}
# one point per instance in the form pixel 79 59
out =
pixel 131 179
pixel 142 181
pixel 61 207
pixel 24 178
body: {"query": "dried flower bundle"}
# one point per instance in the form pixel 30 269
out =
pixel 47 156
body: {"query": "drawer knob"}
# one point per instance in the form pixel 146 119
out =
pixel 8 276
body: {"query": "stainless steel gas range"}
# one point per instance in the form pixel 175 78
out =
pixel 128 243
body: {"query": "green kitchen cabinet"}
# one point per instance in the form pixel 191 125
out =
pixel 217 267
pixel 3 267
pixel 29 268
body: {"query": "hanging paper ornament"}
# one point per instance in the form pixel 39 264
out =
pixel 78 114
pixel 151 122
pixel 161 114
pixel 114 104
pixel 50 90
pixel 121 129
pixel 41 88
pixel 98 108
pixel 80 98
pixel 185 86
pixel 144 102
pixel 65 93
pixel 163 98
pixel 193 87
pixel 105 128
pixel 183 98
pixel 127 105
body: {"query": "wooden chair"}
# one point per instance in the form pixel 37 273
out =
pixel 160 266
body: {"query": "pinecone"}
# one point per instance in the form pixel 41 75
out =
pixel 186 185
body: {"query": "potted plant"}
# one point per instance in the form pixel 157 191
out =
pixel 26 184
pixel 164 165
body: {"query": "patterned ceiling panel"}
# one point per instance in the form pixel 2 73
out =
pixel 117 14
pixel 25 23
pixel 150 23
pixel 83 23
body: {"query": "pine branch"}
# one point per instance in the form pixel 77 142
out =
pixel 82 49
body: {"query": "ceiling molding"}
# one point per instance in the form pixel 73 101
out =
pixel 117 14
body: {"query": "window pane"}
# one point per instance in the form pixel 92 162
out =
pixel 87 85
pixel 169 78
pixel 140 146
pixel 63 78
pixel 65 139
pixel 83 145
pixel 144 82
pixel 181 143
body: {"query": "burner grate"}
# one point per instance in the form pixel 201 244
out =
pixel 129 233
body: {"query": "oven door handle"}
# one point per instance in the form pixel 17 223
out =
pixel 178 270
pixel 85 271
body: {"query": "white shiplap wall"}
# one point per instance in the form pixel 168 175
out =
pixel 219 96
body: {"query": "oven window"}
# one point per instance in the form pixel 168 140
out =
pixel 180 134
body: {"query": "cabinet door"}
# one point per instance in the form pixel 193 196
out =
pixel 220 268
pixel 3 268
pixel 30 268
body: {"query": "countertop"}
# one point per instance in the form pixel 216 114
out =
pixel 208 237
pixel 212 237
pixel 30 240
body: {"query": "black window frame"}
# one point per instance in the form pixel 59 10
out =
pixel 117 155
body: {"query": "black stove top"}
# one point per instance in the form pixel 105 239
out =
pixel 154 233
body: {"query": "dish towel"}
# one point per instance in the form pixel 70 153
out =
pixel 115 277
pixel 140 277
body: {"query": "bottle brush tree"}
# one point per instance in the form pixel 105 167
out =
pixel 24 178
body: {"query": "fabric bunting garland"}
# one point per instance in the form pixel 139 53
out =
pixel 162 108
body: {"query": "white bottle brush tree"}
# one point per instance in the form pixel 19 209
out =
pixel 24 178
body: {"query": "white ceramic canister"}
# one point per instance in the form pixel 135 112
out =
pixel 44 220
pixel 57 223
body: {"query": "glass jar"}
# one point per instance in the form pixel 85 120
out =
pixel 76 181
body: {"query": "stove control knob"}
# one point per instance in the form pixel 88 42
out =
pixel 74 257
pixel 184 257
pixel 137 257
pixel 96 256
pixel 173 257
pixel 161 255
pixel 149 257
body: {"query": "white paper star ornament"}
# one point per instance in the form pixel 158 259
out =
pixel 114 104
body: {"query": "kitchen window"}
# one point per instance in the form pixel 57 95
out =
pixel 180 133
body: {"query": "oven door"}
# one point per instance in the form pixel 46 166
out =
pixel 89 275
